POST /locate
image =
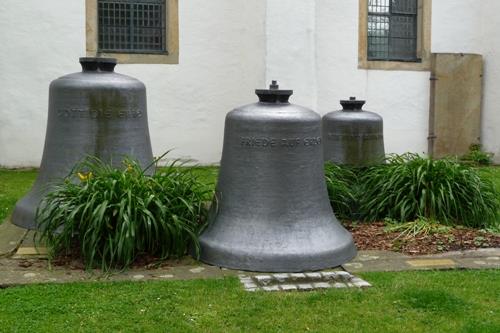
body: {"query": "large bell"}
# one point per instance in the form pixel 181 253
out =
pixel 353 136
pixel 94 112
pixel 271 210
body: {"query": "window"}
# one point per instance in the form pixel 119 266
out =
pixel 394 34
pixel 133 31
pixel 131 26
pixel 392 30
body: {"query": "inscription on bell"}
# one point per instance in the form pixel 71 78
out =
pixel 363 136
pixel 269 142
pixel 98 114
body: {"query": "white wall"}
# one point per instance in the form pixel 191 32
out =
pixel 471 26
pixel 291 54
pixel 227 49
pixel 491 93
pixel 222 54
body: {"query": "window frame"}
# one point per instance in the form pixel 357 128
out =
pixel 171 35
pixel 423 41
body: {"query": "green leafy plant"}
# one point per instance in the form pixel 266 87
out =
pixel 477 156
pixel 409 187
pixel 342 184
pixel 111 215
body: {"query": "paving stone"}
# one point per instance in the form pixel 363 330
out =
pixel 271 288
pixel 321 285
pixel 250 285
pixel 30 275
pixel 297 276
pixel 166 276
pixel 281 277
pixel 493 258
pixel 367 257
pixel 197 270
pixel 305 286
pixel 344 276
pixel 339 285
pixel 313 275
pixel 360 283
pixel 431 262
pixel 353 265
pixel 330 275
pixel 27 251
pixel 263 279
pixel 138 277
pixel 288 287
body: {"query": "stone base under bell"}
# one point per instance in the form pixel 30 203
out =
pixel 279 255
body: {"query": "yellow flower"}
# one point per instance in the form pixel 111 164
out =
pixel 84 176
pixel 129 167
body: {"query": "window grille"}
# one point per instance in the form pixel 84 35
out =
pixel 132 26
pixel 392 30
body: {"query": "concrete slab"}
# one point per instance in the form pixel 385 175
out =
pixel 11 237
pixel 431 263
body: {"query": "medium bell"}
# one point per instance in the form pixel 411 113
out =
pixel 94 112
pixel 353 136
pixel 271 210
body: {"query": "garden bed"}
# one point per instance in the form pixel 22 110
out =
pixel 373 236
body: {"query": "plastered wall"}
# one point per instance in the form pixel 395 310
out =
pixel 222 54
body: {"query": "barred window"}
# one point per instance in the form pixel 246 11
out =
pixel 392 30
pixel 132 26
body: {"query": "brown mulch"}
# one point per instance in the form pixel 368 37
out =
pixel 372 236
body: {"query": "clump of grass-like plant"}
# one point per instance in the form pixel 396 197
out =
pixel 476 156
pixel 111 215
pixel 410 187
pixel 341 182
pixel 419 227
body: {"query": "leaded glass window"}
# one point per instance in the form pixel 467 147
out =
pixel 132 26
pixel 392 30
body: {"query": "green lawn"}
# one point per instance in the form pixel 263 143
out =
pixel 451 301
pixel 13 185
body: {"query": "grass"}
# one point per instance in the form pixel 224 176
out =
pixel 13 185
pixel 451 301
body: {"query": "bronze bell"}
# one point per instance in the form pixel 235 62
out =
pixel 353 136
pixel 271 210
pixel 94 112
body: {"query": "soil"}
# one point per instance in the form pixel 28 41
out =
pixel 373 236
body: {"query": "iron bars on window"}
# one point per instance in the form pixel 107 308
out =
pixel 132 26
pixel 392 30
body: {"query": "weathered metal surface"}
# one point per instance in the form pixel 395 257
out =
pixel 94 112
pixel 353 136
pixel 271 210
pixel 455 106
